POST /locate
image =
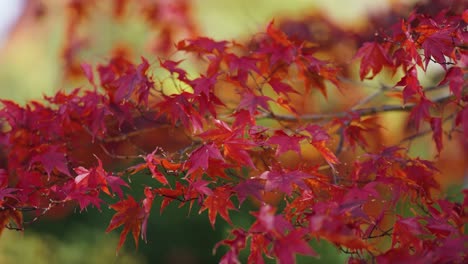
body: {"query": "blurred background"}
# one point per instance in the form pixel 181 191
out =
pixel 39 52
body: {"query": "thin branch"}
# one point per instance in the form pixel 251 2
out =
pixel 116 156
pixel 370 97
pixel 362 112
pixel 128 135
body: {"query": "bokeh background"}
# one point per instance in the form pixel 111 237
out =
pixel 31 42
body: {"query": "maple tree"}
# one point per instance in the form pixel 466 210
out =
pixel 251 125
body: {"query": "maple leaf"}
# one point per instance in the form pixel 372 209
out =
pixel 319 139
pixel 249 187
pixel 52 158
pixel 411 83
pixel 204 85
pixel 152 164
pixel 258 246
pixel 374 57
pixel 241 67
pixel 172 67
pixel 88 71
pixel 179 107
pixel 169 195
pixel 251 101
pixel 200 157
pixel 454 77
pixel 420 111
pixel 243 118
pixel 268 222
pixel 130 215
pixel 86 185
pixel 218 134
pixel 280 87
pixel 285 247
pixel 202 45
pixel 234 146
pixel 236 149
pixel 218 202
pixel 437 45
pixel 201 187
pixel 147 204
pixel 236 244
pixel 278 35
pixel 133 80
pixel 407 233
pixel 285 142
pixel 354 131
pixel 98 178
pixel 284 181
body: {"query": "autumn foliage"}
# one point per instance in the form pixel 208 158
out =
pixel 290 120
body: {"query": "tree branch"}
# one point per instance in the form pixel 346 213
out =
pixel 362 112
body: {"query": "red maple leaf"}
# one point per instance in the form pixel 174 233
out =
pixel 294 242
pixel 283 181
pixel 130 215
pixel 236 150
pixel 147 205
pixel 170 195
pixel 251 102
pixel 172 67
pixel 437 44
pixel 200 157
pixel 285 142
pixel 152 162
pixel 202 45
pixel 374 56
pixel 454 77
pixel 278 35
pixel 420 112
pixel 179 108
pixel 319 140
pixel 236 245
pixel 218 202
pixel 88 71
pixel 267 221
pixel 411 83
pixel 52 158
pixel 281 87
pixel 249 187
pixel 133 82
